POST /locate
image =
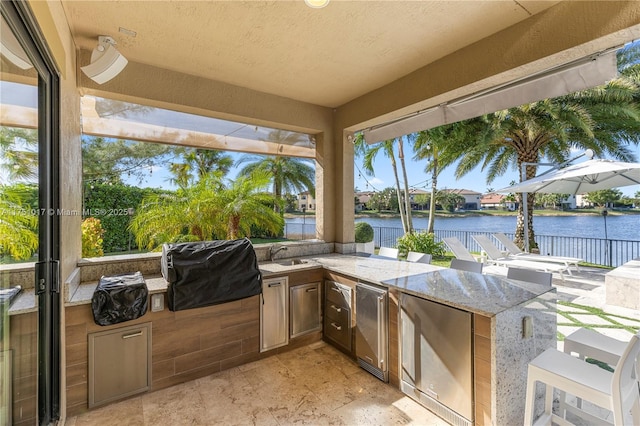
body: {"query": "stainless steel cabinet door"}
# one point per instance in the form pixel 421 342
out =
pixel 119 363
pixel 304 304
pixel 371 325
pixel 437 352
pixel 274 314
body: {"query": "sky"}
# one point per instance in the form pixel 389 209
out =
pixel 383 177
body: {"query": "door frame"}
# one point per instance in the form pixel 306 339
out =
pixel 24 26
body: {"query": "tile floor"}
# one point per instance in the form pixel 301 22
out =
pixel 315 385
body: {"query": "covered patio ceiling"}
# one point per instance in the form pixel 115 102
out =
pixel 352 65
pixel 324 57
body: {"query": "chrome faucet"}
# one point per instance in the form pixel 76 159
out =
pixel 275 249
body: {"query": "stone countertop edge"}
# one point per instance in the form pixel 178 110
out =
pixel 404 276
pixel 24 303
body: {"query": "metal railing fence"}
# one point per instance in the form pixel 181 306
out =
pixel 598 251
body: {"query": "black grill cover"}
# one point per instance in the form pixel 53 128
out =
pixel 210 272
pixel 119 298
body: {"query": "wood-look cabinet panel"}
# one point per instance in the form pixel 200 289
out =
pixel 482 369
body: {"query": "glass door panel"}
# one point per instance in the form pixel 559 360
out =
pixel 19 231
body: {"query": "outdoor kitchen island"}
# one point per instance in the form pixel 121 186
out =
pixel 198 342
pixel 512 323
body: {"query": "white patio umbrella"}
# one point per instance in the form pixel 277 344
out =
pixel 588 176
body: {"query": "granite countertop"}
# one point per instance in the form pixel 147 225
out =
pixel 24 302
pixel 483 294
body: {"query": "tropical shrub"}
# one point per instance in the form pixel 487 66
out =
pixel 364 232
pixel 114 205
pixel 421 242
pixel 92 237
pixel 18 224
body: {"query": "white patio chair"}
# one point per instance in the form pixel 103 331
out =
pixel 590 344
pixel 388 252
pixel 617 391
pixel 495 257
pixel 413 256
pixel 514 251
pixel 466 265
pixel 537 277
pixel 458 249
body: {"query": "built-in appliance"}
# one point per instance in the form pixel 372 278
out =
pixel 437 363
pixel 304 309
pixel 372 336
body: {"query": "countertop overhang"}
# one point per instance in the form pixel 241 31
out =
pixel 483 294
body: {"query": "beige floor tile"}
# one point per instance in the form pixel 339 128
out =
pixel 127 412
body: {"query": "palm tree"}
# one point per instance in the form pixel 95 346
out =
pixel 208 209
pixel 434 145
pixel 605 119
pixel 288 174
pixel 19 153
pixel 189 214
pixel 425 148
pixel 199 162
pixel 244 203
pixel 369 152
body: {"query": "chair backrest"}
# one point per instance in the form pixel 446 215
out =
pixel 413 256
pixel 458 249
pixel 466 265
pixel 508 244
pixel 625 382
pixel 493 252
pixel 529 275
pixel 388 252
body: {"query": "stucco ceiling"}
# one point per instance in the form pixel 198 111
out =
pixel 323 56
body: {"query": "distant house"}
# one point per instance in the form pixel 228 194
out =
pixel 495 201
pixel 413 192
pixel 471 198
pixel 362 200
pixel 306 201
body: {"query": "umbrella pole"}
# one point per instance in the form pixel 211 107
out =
pixel 525 213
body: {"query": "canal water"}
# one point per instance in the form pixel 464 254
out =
pixel 623 227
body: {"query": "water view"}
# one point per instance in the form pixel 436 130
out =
pixel 624 227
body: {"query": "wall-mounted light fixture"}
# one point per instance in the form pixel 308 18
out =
pixel 316 4
pixel 106 61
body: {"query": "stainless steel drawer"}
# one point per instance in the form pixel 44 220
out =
pixel 338 294
pixel 338 332
pixel 337 313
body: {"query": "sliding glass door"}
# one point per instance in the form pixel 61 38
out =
pixel 29 282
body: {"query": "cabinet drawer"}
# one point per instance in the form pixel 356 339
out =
pixel 338 294
pixel 340 333
pixel 336 313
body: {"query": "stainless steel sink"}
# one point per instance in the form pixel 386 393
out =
pixel 290 262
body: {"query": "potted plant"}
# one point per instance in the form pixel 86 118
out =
pixel 364 238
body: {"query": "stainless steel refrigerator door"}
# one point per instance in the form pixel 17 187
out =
pixel 437 352
pixel 274 313
pixel 371 325
pixel 304 305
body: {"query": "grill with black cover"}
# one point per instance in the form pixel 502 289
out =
pixel 210 272
pixel 119 298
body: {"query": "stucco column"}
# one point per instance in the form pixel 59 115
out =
pixel 343 213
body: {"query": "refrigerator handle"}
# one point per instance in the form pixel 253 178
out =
pixel 381 330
